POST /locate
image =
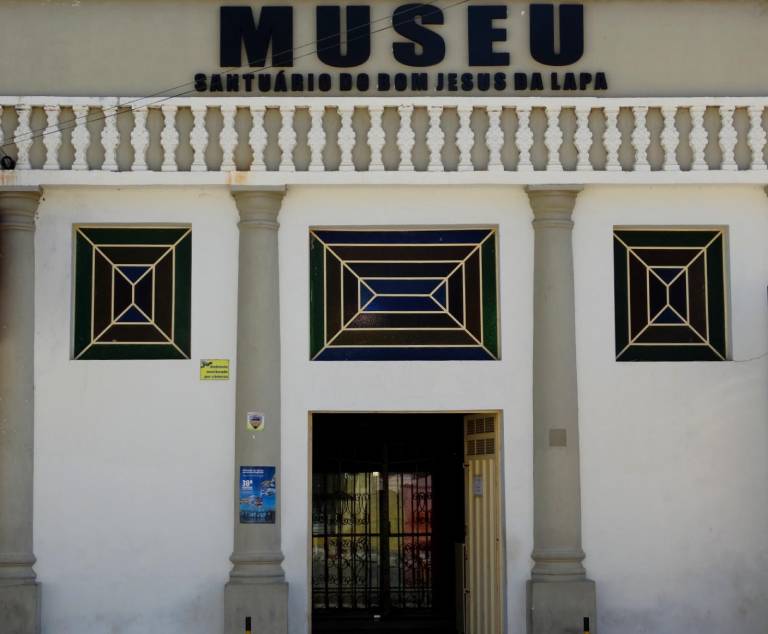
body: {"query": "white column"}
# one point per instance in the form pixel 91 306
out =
pixel 559 595
pixel 19 590
pixel 257 586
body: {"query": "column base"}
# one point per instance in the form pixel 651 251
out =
pixel 20 608
pixel 559 607
pixel 265 603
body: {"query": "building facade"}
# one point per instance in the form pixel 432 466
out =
pixel 447 317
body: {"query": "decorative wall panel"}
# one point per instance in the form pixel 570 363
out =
pixel 670 295
pixel 403 294
pixel 132 292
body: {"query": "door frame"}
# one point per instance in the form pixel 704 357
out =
pixel 501 563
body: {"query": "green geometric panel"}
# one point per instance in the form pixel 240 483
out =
pixel 669 295
pixel 132 292
pixel 403 294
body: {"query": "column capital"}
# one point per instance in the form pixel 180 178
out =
pixel 258 206
pixel 552 205
pixel 18 206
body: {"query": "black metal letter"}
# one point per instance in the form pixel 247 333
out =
pixel 482 35
pixel 571 46
pixel 432 44
pixel 358 37
pixel 201 82
pixel 237 28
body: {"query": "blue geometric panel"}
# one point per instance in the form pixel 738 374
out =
pixel 667 274
pixel 132 292
pixel 366 294
pixel 440 294
pixel 403 294
pixel 401 303
pixel 669 289
pixel 132 315
pixel 395 286
pixel 668 316
pixel 133 273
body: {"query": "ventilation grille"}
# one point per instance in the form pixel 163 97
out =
pixel 480 425
pixel 481 447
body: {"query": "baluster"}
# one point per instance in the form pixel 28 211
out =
pixel 465 139
pixel 376 138
pixel 22 137
pixel 553 139
pixel 698 138
pixel 80 137
pixel 257 139
pixel 612 139
pixel 756 137
pixel 228 138
pixel 316 138
pixel 52 138
pixel 405 138
pixel 286 139
pixel 494 139
pixel 727 138
pixel 169 139
pixel 346 138
pixel 139 139
pixel 524 139
pixel 670 139
pixel 641 138
pixel 198 138
pixel 435 139
pixel 110 138
pixel 582 139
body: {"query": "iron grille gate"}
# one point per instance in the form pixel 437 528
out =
pixel 377 562
pixel 356 532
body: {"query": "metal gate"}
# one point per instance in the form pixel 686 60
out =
pixel 387 513
pixel 356 529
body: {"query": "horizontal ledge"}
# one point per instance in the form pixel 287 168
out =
pixel 64 178
pixel 416 101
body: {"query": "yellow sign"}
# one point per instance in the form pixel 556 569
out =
pixel 214 369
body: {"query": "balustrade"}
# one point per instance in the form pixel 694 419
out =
pixel 517 138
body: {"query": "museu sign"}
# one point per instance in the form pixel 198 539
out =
pixel 258 54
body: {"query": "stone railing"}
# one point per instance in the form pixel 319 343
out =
pixel 72 140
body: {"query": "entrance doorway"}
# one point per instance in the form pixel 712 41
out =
pixel 394 520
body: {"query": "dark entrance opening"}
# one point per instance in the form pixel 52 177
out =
pixel 387 523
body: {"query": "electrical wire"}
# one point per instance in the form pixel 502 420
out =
pixel 128 107
pixel 123 107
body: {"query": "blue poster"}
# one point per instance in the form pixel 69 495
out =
pixel 257 495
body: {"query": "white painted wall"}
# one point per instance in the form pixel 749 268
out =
pixel 389 386
pixel 675 455
pixel 133 488
pixel 133 459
